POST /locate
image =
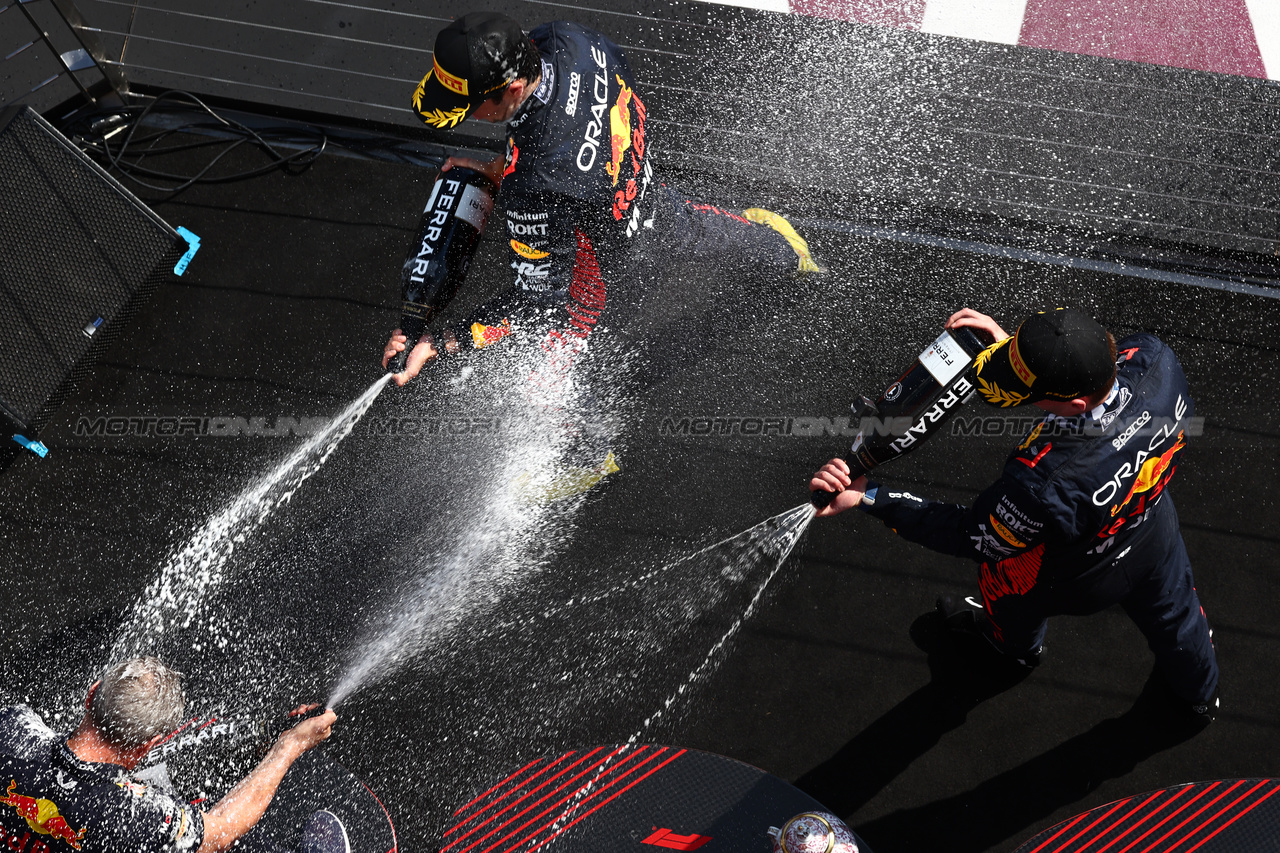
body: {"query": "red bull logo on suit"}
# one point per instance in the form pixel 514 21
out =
pixel 1106 493
pixel 42 818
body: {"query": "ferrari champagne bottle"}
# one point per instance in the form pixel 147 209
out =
pixel 914 407
pixel 448 236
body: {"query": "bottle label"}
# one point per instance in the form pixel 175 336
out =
pixel 934 416
pixel 416 309
pixel 474 206
pixel 945 358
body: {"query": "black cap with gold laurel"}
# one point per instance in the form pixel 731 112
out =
pixel 1055 355
pixel 475 56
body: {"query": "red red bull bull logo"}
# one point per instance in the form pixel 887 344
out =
pixel 42 817
pixel 1152 476
pixel 482 335
pixel 1151 473
pixel 620 129
pixel 627 146
pixel 587 295
pixel 1145 460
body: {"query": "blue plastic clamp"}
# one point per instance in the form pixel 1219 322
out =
pixel 193 246
pixel 36 447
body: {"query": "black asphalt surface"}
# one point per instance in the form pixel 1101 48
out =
pixel 577 635
pixel 284 311
pixel 884 125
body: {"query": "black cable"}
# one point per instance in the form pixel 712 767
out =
pixel 94 134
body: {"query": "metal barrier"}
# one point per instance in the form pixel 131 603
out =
pixel 51 58
pixel 349 61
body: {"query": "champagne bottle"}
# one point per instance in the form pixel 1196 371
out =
pixel 448 236
pixel 913 408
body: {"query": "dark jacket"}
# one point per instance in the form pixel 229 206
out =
pixel 51 801
pixel 1074 496
pixel 578 187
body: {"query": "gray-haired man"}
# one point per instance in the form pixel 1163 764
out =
pixel 79 791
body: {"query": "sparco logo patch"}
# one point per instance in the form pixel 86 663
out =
pixel 575 83
pixel 1123 438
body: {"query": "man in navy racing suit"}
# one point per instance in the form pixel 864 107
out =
pixel 1081 517
pixel 80 792
pixel 579 184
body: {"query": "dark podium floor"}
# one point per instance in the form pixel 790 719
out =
pixel 283 313
pixel 1223 816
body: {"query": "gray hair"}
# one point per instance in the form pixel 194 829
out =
pixel 137 700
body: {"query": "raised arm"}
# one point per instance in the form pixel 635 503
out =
pixel 238 812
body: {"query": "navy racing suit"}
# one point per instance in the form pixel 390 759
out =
pixel 1081 519
pixel 585 206
pixel 51 801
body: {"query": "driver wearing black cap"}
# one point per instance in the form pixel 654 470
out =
pixel 579 184
pixel 1080 518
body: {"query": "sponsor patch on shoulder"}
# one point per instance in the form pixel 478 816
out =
pixel 524 250
pixel 1015 520
pixel 548 82
pixel 575 82
pixel 988 545
pixel 1006 534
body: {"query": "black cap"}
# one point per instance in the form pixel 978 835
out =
pixel 475 56
pixel 1054 355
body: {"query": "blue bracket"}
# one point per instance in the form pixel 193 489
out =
pixel 36 447
pixel 193 246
